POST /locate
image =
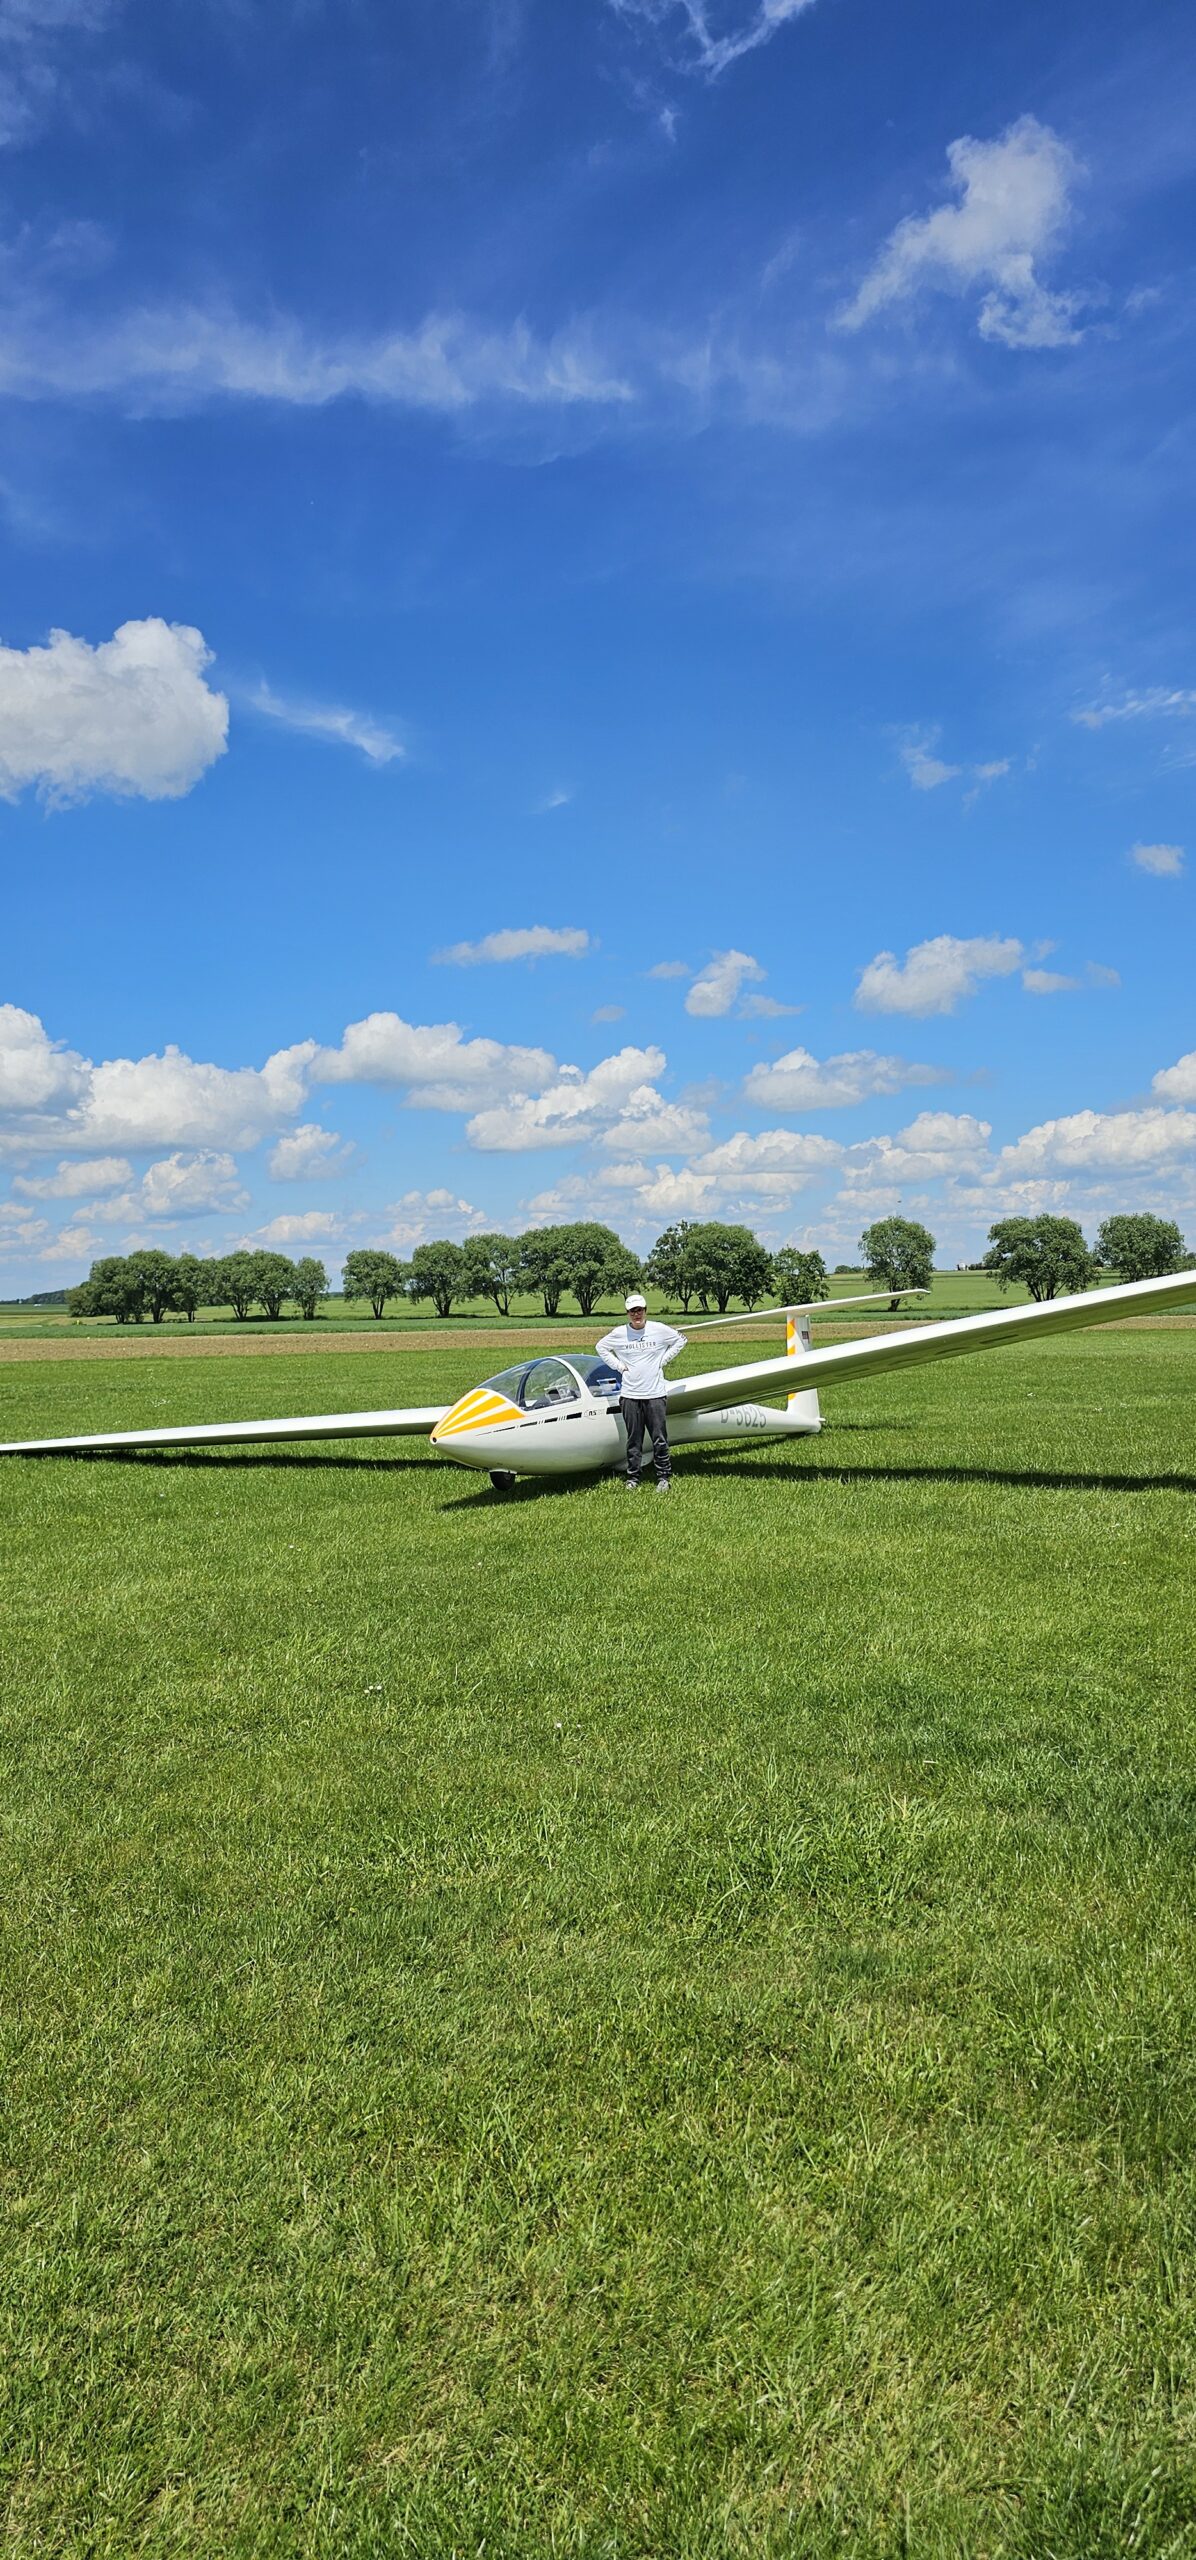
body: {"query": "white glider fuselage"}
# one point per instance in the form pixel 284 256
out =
pixel 560 1424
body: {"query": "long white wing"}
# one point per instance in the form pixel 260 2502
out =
pixel 215 1435
pixel 879 1352
pixel 805 1307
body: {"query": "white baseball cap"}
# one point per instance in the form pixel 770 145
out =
pixel 635 1300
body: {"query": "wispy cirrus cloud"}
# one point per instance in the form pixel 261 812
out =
pixel 1154 702
pixel 176 358
pixel 707 36
pixel 38 40
pixel 376 740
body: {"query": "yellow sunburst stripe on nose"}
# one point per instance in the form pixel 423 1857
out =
pixel 474 1413
pixel 473 1407
pixel 477 1422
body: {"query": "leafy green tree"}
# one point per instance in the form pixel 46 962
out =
pixel 800 1277
pixel 113 1287
pixel 492 1269
pixel 273 1280
pixel 542 1265
pixel 899 1254
pixel 310 1285
pixel 669 1265
pixel 595 1261
pixel 374 1274
pixel 156 1272
pixel 1047 1255
pixel 233 1283
pixel 438 1271
pixel 728 1262
pixel 191 1284
pixel 1138 1246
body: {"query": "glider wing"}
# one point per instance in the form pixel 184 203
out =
pixel 216 1435
pixel 909 1348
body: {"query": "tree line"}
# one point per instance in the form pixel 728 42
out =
pixel 132 1286
pixel 702 1260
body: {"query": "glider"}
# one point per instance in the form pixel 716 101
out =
pixel 558 1414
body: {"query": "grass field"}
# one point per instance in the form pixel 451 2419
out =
pixel 579 2027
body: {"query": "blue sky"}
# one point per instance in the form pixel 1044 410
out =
pixel 596 618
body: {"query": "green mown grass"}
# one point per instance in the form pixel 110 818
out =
pixel 578 2027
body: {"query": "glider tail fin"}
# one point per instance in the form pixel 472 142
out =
pixel 802 1405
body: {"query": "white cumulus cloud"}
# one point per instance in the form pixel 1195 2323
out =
pixel 1177 1083
pixel 132 716
pixel 89 1178
pixel 574 1106
pixel 519 942
pixel 775 1161
pixel 301 1227
pixel 934 1145
pixel 307 1154
pixel 716 987
pixel 935 976
pixel 436 1065
pixel 1122 1140
pixel 188 1186
pixel 172 1099
pixel 37 1074
pixel 801 1082
pixel 52 1098
pixel 1162 861
pixel 421 1215
pixel 1011 203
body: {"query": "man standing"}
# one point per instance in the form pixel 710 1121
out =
pixel 639 1350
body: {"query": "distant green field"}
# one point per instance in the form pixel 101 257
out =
pixel 952 1293
pixel 601 2028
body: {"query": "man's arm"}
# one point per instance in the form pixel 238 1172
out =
pixel 609 1349
pixel 676 1342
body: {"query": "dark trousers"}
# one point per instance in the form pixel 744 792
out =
pixel 650 1414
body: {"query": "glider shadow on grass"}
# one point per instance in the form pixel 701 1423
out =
pixel 1031 1479
pixel 756 1466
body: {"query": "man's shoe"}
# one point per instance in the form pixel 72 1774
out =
pixel 662 1484
pixel 631 1484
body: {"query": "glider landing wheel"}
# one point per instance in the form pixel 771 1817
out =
pixel 502 1479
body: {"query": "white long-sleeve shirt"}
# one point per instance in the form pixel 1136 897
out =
pixel 640 1356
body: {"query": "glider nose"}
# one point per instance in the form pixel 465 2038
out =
pixel 482 1410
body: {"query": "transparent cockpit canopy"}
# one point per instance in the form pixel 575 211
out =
pixel 536 1384
pixel 596 1374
